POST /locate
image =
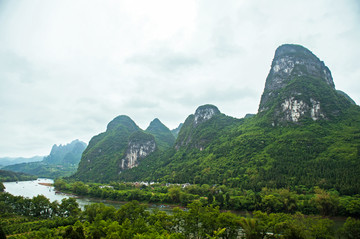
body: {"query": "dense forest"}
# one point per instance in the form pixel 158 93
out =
pixel 40 218
pixel 8 176
pixel 252 154
pixel 314 201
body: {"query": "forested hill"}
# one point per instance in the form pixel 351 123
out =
pixel 305 134
pixel 123 146
pixel 163 136
pixel 8 176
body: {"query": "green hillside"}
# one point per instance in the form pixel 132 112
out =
pixel 8 176
pixel 305 134
pixel 163 136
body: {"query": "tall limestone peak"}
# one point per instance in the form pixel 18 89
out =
pixel 199 128
pixel 112 151
pixel 204 113
pixel 156 125
pixel 122 120
pixel 299 86
pixel 163 136
pixel 295 60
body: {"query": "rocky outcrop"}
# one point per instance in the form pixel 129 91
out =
pixel 293 109
pixel 140 146
pixel 191 132
pixel 101 159
pixel 204 113
pixel 298 86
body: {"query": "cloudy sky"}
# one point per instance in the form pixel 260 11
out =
pixel 69 67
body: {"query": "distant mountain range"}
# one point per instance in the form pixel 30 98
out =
pixel 5 161
pixel 62 161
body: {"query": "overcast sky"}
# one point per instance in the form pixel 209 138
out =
pixel 69 67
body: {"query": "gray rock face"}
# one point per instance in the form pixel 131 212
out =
pixel 192 124
pixel 204 113
pixel 292 61
pixel 294 64
pixel 293 109
pixel 137 150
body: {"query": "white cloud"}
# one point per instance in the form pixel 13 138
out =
pixel 69 67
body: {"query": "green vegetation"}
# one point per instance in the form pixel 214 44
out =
pixel 8 176
pixel 163 136
pixel 320 148
pixel 16 160
pixel 314 201
pixel 66 154
pixel 251 154
pixel 62 161
pixel 43 219
pixel 106 150
pixel 42 169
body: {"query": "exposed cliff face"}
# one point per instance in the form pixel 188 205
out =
pixel 137 149
pixel 204 113
pixel 121 147
pixel 298 86
pixel 100 161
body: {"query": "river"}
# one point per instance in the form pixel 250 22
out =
pixel 41 186
pixel 36 187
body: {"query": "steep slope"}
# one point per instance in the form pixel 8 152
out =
pixel 192 127
pixel 176 131
pixel 163 136
pixel 140 145
pixel 197 132
pixel 305 134
pixel 66 154
pixel 299 87
pixel 119 148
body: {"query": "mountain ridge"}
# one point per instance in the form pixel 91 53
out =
pixel 62 161
pixel 305 134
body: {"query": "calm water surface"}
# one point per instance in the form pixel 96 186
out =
pixel 33 188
